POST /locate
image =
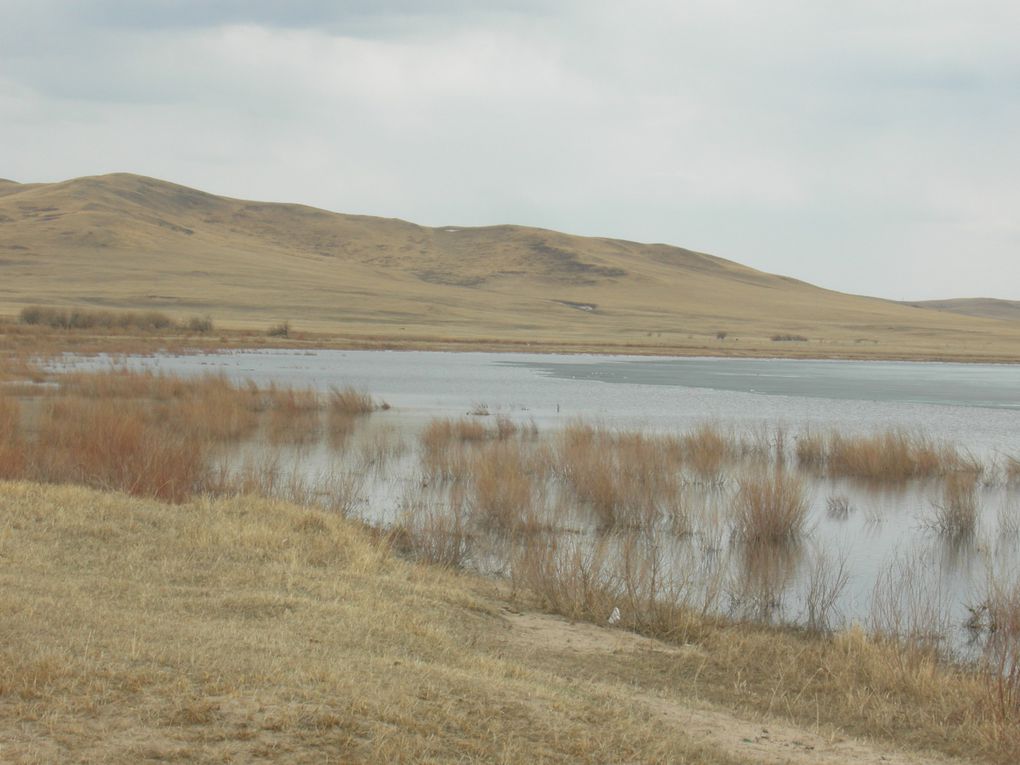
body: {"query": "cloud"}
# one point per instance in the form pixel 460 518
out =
pixel 868 148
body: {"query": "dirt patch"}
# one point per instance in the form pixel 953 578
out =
pixel 766 741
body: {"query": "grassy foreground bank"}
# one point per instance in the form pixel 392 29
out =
pixel 240 629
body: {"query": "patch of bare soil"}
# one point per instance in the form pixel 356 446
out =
pixel 766 741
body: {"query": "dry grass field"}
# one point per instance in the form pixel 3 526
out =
pixel 139 244
pixel 244 629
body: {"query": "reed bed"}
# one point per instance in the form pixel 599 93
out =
pixel 351 401
pixel 706 450
pixel 894 455
pixel 625 479
pixel 770 507
pixel 955 514
pixel 505 488
pixel 111 445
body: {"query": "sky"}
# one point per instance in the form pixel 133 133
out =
pixel 869 147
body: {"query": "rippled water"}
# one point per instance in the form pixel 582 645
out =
pixel 883 531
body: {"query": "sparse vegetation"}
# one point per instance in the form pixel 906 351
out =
pixel 956 513
pixel 91 319
pixel 279 330
pixel 788 339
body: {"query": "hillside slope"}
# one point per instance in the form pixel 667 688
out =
pixel 133 242
pixel 989 308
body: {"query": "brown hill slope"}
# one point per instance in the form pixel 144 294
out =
pixel 133 242
pixel 989 308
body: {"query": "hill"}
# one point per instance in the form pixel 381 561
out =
pixel 131 242
pixel 989 308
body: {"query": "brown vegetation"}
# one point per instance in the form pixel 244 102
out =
pixel 893 455
pixel 770 507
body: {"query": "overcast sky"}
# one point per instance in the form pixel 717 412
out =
pixel 870 147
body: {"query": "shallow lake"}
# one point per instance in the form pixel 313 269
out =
pixel 881 534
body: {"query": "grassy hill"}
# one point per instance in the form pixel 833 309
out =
pixel 989 308
pixel 125 241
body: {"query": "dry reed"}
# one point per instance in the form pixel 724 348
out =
pixel 893 455
pixel 956 513
pixel 770 507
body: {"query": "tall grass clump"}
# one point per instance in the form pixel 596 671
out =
pixel 893 455
pixel 705 450
pixel 12 452
pixel 625 479
pixel 770 507
pixel 112 445
pixel 955 514
pixel 433 533
pixel 293 414
pixel 1002 646
pixel 351 401
pixel 504 488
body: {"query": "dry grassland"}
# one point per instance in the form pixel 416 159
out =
pixel 232 631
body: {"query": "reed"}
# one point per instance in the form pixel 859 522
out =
pixel 1012 468
pixel 770 507
pixel 956 513
pixel 351 401
pixel 110 445
pixel 811 451
pixel 504 488
pixel 434 534
pixel 12 452
pixel 706 449
pixel 893 455
pixel 294 414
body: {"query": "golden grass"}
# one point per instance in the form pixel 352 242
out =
pixel 246 629
pixel 504 488
pixel 12 453
pixel 770 507
pixel 892 455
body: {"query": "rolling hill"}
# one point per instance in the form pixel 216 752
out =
pixel 989 308
pixel 125 241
